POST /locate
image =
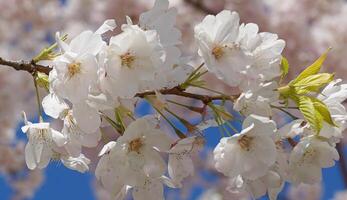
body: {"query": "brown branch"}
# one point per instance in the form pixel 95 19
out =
pixel 30 67
pixel 178 91
pixel 197 4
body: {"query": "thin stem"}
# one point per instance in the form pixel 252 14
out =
pixel 178 132
pixel 199 110
pixel 39 107
pixel 32 68
pixel 208 89
pixel 286 112
pixel 112 123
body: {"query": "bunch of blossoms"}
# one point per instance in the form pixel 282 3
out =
pixel 93 83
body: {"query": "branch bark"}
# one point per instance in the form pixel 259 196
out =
pixel 30 67
pixel 178 91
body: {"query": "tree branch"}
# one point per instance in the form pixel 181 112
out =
pixel 30 67
pixel 178 91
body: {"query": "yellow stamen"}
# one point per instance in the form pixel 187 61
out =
pixel 127 59
pixel 74 68
pixel 135 145
pixel 218 52
pixel 245 142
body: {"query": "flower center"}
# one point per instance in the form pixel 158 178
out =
pixel 217 52
pixel 245 142
pixel 74 68
pixel 135 145
pixel 127 59
pixel 41 136
pixel 309 156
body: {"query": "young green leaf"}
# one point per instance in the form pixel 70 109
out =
pixel 323 110
pixel 284 67
pixel 307 108
pixel 312 83
pixel 312 69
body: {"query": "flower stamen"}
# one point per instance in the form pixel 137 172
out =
pixel 127 59
pixel 73 69
pixel 135 145
pixel 218 52
pixel 245 142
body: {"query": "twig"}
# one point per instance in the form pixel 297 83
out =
pixel 30 67
pixel 178 91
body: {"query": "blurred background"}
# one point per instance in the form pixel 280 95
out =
pixel 26 26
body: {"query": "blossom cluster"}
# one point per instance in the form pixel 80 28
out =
pixel 95 83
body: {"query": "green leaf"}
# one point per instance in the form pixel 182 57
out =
pixel 42 80
pixel 284 67
pixel 323 110
pixel 312 69
pixel 308 110
pixel 312 83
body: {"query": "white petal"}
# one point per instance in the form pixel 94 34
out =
pixel 30 157
pixel 58 138
pixel 86 117
pixel 53 105
pixel 108 25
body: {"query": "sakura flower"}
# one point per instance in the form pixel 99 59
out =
pixel 134 159
pixel 76 137
pixel 235 53
pixel 257 100
pixel 162 19
pixel 151 189
pixel 77 66
pixel 132 59
pixel 308 158
pixel 292 129
pixel 333 95
pixel 42 143
pixel 112 169
pixel 79 163
pixel 80 124
pixel 270 183
pixel 249 153
pixel 180 164
pixel 143 140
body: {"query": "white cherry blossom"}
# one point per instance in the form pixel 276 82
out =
pixel 132 59
pixel 249 153
pixel 134 159
pixel 257 100
pixel 180 164
pixel 77 66
pixel 43 141
pixel 333 95
pixel 79 163
pixel 76 137
pixel 236 53
pixel 308 158
pixel 270 184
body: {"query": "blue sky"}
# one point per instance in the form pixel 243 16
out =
pixel 63 184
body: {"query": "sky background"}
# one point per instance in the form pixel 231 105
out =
pixel 61 183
